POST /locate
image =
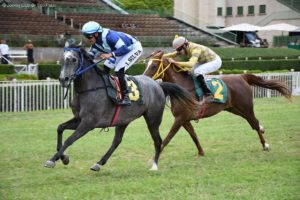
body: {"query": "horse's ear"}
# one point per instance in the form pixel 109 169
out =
pixel 67 44
pixel 80 43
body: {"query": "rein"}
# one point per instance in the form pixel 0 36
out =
pixel 161 69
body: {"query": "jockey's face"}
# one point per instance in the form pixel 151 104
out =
pixel 92 40
pixel 181 50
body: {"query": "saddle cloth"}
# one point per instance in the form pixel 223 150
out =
pixel 114 93
pixel 217 87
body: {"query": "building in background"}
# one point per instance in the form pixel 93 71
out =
pixel 213 14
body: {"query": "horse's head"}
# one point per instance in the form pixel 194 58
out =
pixel 154 64
pixel 71 62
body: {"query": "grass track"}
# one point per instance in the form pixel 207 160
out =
pixel 235 167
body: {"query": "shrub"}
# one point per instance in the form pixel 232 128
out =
pixel 48 70
pixel 264 65
pixel 7 69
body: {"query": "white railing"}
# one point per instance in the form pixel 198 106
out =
pixel 292 79
pixel 19 96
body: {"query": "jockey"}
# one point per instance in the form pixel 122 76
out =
pixel 202 60
pixel 120 50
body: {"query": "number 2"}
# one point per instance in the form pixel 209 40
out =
pixel 218 94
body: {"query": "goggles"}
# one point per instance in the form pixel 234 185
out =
pixel 89 36
pixel 180 48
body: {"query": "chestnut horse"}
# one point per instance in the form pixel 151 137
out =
pixel 240 97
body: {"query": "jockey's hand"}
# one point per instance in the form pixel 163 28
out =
pixel 105 55
pixel 171 60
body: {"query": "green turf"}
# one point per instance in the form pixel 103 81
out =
pixel 235 167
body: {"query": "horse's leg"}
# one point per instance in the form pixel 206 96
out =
pixel 174 129
pixel 119 132
pixel 81 130
pixel 72 124
pixel 254 123
pixel 190 129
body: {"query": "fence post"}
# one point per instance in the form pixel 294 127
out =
pixel 49 94
pixel 15 95
pixel 22 96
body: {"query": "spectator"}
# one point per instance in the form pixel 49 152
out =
pixel 265 43
pixel 68 38
pixel 4 52
pixel 29 47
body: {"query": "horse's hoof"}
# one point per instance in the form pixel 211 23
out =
pixel 65 160
pixel 154 167
pixel 201 153
pixel 96 167
pixel 266 147
pixel 50 164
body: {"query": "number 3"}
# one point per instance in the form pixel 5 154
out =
pixel 134 94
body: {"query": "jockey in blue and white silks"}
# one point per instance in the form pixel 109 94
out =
pixel 120 50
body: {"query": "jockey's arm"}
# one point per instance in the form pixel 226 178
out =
pixel 189 64
pixel 170 55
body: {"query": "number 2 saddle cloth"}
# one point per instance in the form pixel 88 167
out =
pixel 217 87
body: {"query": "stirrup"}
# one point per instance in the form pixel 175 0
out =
pixel 209 97
pixel 125 101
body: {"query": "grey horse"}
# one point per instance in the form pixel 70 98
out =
pixel 92 108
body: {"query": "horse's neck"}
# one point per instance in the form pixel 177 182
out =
pixel 88 80
pixel 176 77
pixel 181 78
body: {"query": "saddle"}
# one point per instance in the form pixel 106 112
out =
pixel 217 87
pixel 114 93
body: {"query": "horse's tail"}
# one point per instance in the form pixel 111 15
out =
pixel 278 85
pixel 181 95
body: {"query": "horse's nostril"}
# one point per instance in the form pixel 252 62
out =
pixel 66 78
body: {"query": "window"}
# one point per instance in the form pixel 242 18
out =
pixel 262 9
pixel 229 11
pixel 220 11
pixel 250 10
pixel 240 10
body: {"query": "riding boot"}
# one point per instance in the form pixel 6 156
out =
pixel 125 94
pixel 207 92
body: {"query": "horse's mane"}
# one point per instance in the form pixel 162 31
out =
pixel 89 59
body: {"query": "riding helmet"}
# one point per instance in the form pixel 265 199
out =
pixel 91 27
pixel 179 41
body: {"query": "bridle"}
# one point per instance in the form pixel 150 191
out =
pixel 80 70
pixel 160 72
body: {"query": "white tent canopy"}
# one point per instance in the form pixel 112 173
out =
pixel 242 27
pixel 279 27
pixel 249 27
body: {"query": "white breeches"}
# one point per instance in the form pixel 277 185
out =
pixel 127 60
pixel 207 68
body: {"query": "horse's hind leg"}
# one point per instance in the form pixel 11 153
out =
pixel 190 129
pixel 119 132
pixel 153 126
pixel 72 124
pixel 254 123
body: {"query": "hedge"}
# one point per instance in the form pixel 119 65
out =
pixel 48 70
pixel 264 65
pixel 53 70
pixel 7 69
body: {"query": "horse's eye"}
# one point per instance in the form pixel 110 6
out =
pixel 74 59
